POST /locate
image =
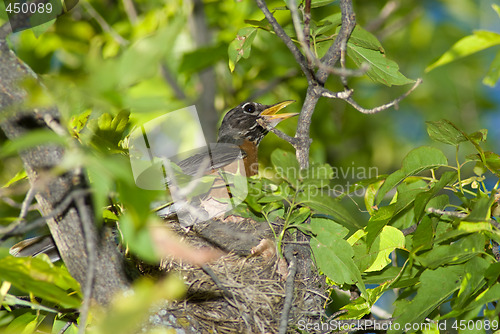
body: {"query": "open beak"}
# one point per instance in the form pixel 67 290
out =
pixel 270 114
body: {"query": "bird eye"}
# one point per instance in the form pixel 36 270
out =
pixel 248 108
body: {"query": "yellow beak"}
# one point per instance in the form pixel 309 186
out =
pixel 270 114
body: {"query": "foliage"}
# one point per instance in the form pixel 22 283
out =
pixel 448 258
pixel 104 85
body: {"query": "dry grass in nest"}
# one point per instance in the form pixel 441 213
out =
pixel 255 300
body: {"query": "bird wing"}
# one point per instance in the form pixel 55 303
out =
pixel 219 155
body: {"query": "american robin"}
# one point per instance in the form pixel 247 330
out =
pixel 239 137
pixel 240 134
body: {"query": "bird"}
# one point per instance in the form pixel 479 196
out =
pixel 240 133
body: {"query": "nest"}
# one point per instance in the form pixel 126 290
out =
pixel 240 292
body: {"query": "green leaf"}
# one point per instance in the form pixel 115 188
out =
pixel 435 288
pixel 468 45
pixel 299 216
pixel 40 277
pixel 321 3
pixel 327 25
pixel 240 47
pixel 422 237
pixel 492 272
pixel 419 159
pixel 137 238
pixel 478 136
pixel 370 194
pixel 473 280
pixel 458 252
pixel 326 205
pixel 445 131
pixel 423 199
pixel 381 69
pixel 316 176
pixel 493 74
pixel 19 176
pixel 12 300
pixel 365 39
pixel 361 306
pixel 492 161
pixel 108 131
pixel 286 166
pixel 481 211
pixel 490 295
pixel 377 222
pixel 387 241
pixel 78 122
pixel 333 254
pixel 406 276
pixel 263 24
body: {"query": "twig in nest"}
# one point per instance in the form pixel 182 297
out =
pixel 289 288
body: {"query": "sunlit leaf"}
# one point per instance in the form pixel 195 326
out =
pixel 381 68
pixel 418 160
pixel 445 131
pixel 468 45
pixel 240 47
pixel 332 253
pixel 40 277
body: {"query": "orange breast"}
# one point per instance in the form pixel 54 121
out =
pixel 251 159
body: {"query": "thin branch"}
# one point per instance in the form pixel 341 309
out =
pixel 90 244
pixel 386 11
pixel 5 30
pixel 343 95
pixel 104 25
pixel 22 215
pixel 23 228
pixel 289 288
pixel 312 59
pixel 172 82
pixel 326 93
pixel 299 57
pixel 334 52
pixel 130 10
pixel 9 201
pixel 65 327
pixel 307 21
pixel 280 134
pixel 455 214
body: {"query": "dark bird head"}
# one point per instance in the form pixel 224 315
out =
pixel 240 123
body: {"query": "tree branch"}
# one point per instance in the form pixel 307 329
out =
pixel 326 93
pixel 334 52
pixel 66 227
pixel 299 57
